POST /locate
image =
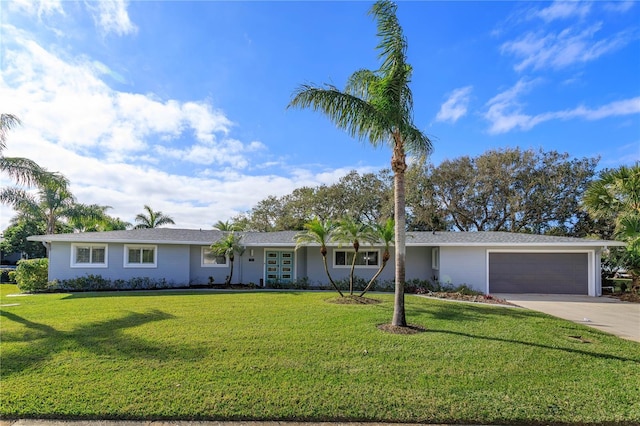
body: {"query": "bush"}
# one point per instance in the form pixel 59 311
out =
pixel 31 275
pixel 99 283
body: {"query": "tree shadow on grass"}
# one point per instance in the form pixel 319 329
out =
pixel 537 345
pixel 103 338
pixel 456 313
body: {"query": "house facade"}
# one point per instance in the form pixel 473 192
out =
pixel 490 262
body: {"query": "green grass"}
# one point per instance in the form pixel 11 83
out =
pixel 293 356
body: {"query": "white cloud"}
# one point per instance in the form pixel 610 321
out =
pixel 539 50
pixel 36 7
pixel 564 9
pixel 70 104
pixel 123 149
pixel 505 110
pixel 618 6
pixel 111 16
pixel 456 106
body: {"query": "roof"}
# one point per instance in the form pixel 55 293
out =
pixel 286 238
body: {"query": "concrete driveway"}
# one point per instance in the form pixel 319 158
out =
pixel 604 313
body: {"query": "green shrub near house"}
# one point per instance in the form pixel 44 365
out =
pixel 31 275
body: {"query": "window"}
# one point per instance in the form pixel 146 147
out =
pixel 211 260
pixel 140 256
pixel 435 258
pixel 88 255
pixel 343 258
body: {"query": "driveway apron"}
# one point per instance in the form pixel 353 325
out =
pixel 604 313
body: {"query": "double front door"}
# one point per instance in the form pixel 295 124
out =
pixel 279 267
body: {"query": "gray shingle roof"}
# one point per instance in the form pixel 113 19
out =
pixel 286 238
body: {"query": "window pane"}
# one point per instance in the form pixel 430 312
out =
pixel 350 256
pixel 340 258
pixel 97 255
pixel 134 255
pixel 83 254
pixel 209 257
pixel 147 255
pixel 221 260
pixel 373 258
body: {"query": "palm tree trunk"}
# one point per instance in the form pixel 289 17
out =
pixel 230 273
pixel 373 279
pixel 351 273
pixel 326 269
pixel 399 165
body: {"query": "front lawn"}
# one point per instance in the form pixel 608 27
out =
pixel 293 356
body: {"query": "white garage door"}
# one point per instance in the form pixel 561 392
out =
pixel 550 273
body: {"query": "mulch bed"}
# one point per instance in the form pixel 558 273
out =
pixel 627 297
pixel 474 298
pixel 353 300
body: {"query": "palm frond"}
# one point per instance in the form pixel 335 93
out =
pixel 393 45
pixel 7 122
pixel 357 117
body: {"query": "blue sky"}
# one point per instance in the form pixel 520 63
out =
pixel 182 105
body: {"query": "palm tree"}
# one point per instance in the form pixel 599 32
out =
pixel 378 106
pixel 615 196
pixel 49 205
pixel 318 232
pixel 226 226
pixel 384 234
pixel 22 170
pixel 227 246
pixel 353 232
pixel 94 218
pixel 153 219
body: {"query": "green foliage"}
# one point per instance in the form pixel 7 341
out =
pixel 152 219
pixel 31 275
pixel 14 239
pixel 512 190
pixel 615 197
pixel 91 282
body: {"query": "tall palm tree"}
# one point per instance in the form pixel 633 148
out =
pixel 353 232
pixel 227 246
pixel 22 170
pixel 318 232
pixel 378 106
pixel 384 233
pixel 153 219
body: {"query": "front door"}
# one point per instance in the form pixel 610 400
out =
pixel 279 267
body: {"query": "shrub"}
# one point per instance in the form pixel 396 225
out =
pixel 98 282
pixel 31 275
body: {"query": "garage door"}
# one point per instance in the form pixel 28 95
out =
pixel 555 273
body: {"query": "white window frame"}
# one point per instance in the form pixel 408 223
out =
pixel 335 251
pixel 91 246
pixel 212 265
pixel 128 247
pixel 435 258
